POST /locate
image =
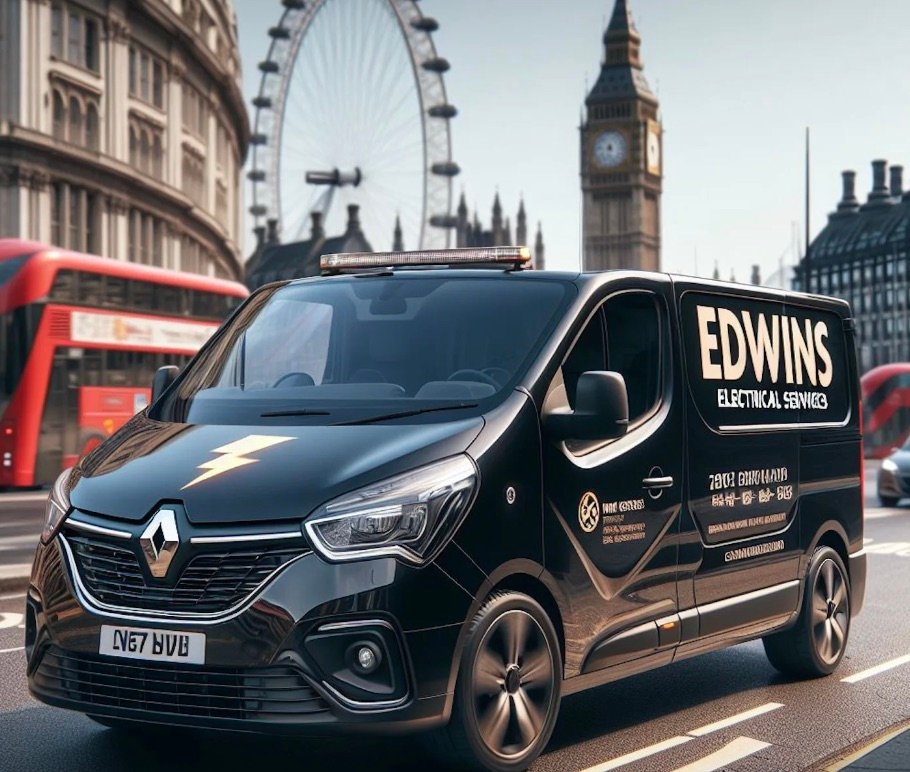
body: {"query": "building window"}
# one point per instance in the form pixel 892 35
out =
pixel 194 111
pixel 146 147
pixel 193 172
pixel 221 209
pixel 222 145
pixel 146 77
pixel 76 135
pixel 78 44
pixel 59 116
pixel 74 218
pixel 91 126
pixel 146 238
pixel 76 116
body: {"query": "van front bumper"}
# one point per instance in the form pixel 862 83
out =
pixel 285 662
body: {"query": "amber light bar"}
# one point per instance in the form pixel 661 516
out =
pixel 337 263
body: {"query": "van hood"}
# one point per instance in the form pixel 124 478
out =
pixel 231 474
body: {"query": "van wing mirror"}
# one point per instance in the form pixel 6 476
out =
pixel 601 409
pixel 164 377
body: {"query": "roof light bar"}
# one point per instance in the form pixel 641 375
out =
pixel 515 256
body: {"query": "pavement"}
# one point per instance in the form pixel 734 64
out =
pixel 21 521
pixel 727 710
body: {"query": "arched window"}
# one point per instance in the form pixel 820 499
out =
pixel 144 151
pixel 91 127
pixel 59 116
pixel 134 147
pixel 157 156
pixel 75 122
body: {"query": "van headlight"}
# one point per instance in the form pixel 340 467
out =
pixel 889 466
pixel 407 516
pixel 57 508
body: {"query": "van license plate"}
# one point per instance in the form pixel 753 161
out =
pixel 153 645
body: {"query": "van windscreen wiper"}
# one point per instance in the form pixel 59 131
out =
pixel 405 414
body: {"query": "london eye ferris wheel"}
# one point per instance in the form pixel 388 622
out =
pixel 352 108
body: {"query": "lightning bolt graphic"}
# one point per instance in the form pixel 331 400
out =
pixel 234 456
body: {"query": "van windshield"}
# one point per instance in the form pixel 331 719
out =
pixel 367 349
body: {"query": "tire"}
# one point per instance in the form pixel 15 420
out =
pixel 502 718
pixel 815 645
pixel 888 501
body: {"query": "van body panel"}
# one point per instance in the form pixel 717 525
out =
pixel 296 467
pixel 607 536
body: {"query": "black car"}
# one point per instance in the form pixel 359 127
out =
pixel 437 492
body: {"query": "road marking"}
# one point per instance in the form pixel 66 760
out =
pixel 17 497
pixel 730 753
pixel 10 651
pixel 862 675
pixel 10 619
pixel 899 548
pixel 628 758
pixel 16 542
pixel 738 718
pixel 15 570
pixel 879 513
pixel 14 596
pixel 650 750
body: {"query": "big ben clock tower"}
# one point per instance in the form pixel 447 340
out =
pixel 621 165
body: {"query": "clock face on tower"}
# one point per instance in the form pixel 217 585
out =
pixel 610 149
pixel 653 147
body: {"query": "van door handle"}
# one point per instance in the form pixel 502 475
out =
pixel 657 483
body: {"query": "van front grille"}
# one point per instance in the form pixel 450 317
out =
pixel 211 582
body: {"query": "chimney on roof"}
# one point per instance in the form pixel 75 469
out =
pixel 848 202
pixel 272 231
pixel 756 275
pixel 353 218
pixel 316 230
pixel 259 230
pixel 880 193
pixel 897 181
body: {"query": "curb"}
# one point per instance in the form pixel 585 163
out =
pixel 865 748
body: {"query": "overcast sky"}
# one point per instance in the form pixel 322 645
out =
pixel 738 82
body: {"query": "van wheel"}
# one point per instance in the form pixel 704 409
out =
pixel 508 688
pixel 815 645
pixel 888 501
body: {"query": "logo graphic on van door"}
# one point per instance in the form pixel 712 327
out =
pixel 233 455
pixel 588 512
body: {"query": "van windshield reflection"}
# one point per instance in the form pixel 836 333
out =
pixel 343 350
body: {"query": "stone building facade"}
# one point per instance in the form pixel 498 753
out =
pixel 863 256
pixel 123 130
pixel 469 232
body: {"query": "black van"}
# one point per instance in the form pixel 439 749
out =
pixel 437 492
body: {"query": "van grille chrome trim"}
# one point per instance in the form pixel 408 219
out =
pixel 82 526
pixel 235 538
pixel 117 611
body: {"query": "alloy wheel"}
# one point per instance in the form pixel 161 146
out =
pixel 513 684
pixel 830 612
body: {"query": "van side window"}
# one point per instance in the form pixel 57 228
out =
pixel 633 348
pixel 623 336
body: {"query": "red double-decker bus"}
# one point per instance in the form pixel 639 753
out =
pixel 886 408
pixel 80 340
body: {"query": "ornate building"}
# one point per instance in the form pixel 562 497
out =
pixel 621 167
pixel 470 233
pixel 273 261
pixel 123 130
pixel 861 255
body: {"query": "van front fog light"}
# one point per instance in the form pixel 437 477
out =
pixel 408 516
pixel 368 658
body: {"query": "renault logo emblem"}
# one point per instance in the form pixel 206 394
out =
pixel 159 542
